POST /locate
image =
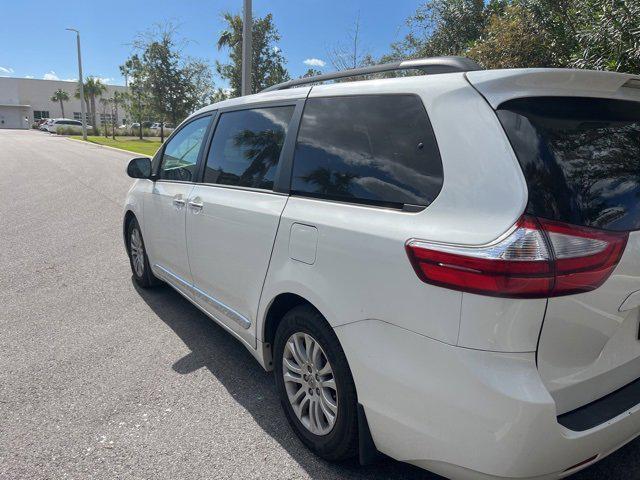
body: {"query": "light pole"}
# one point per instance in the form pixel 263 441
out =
pixel 81 85
pixel 246 48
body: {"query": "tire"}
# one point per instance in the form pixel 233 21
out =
pixel 332 441
pixel 138 259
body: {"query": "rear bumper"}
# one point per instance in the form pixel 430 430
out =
pixel 467 414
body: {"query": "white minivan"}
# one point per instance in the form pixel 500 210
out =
pixel 442 268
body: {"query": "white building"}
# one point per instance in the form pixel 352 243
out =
pixel 25 100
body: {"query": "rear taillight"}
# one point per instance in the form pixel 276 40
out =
pixel 538 258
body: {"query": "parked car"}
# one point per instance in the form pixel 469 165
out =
pixel 442 268
pixel 66 123
pixel 43 125
pixel 167 127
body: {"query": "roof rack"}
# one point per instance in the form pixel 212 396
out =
pixel 432 65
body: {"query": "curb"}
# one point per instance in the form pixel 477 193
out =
pixel 105 146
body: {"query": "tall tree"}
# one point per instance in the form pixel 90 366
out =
pixel 268 63
pixel 136 97
pixel 597 34
pixel 171 85
pixel 60 96
pixel 444 27
pixel 93 88
pixel 513 39
pixel 557 22
pixel 199 75
pixel 608 35
pixel 220 95
pixel 311 72
pixel 351 53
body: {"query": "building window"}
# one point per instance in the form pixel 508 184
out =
pixel 78 116
pixel 105 119
pixel 40 114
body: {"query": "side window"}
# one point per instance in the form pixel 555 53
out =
pixel 246 147
pixel 181 152
pixel 375 149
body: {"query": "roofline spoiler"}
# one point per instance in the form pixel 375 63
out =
pixel 499 86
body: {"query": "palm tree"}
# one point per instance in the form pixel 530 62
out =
pixel 60 96
pixel 331 183
pixel 93 88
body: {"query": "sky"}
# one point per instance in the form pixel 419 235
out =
pixel 35 44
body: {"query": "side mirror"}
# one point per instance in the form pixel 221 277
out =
pixel 139 168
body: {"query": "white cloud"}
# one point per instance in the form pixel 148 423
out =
pixel 28 76
pixel 5 71
pixel 50 75
pixel 314 62
pixel 105 80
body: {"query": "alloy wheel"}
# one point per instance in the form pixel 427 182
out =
pixel 137 252
pixel 310 383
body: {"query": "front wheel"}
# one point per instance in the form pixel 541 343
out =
pixel 138 259
pixel 315 385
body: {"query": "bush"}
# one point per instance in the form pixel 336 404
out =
pixel 69 131
pixel 135 132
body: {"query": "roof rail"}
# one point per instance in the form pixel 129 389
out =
pixel 432 65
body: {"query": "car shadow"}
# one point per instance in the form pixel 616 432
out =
pixel 211 347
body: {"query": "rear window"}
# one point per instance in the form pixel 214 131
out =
pixel 372 149
pixel 580 158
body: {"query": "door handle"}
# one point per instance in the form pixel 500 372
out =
pixel 178 201
pixel 196 205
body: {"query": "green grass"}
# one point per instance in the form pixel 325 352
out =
pixel 146 146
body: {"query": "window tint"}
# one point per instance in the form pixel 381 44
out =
pixel 246 147
pixel 181 152
pixel 580 158
pixel 377 149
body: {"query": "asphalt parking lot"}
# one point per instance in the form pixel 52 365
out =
pixel 101 380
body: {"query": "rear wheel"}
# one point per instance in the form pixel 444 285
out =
pixel 138 257
pixel 315 385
